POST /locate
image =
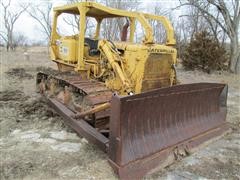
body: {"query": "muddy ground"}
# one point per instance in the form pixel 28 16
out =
pixel 35 143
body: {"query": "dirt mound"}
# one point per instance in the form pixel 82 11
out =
pixel 46 69
pixel 16 95
pixel 26 105
pixel 19 73
pixel 12 169
pixel 37 106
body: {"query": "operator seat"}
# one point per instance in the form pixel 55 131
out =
pixel 93 46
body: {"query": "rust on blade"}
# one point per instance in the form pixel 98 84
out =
pixel 146 124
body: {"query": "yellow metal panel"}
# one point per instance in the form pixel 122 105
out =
pixel 67 50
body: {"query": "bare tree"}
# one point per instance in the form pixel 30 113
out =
pixel 9 19
pixel 41 14
pixel 188 24
pixel 159 30
pixel 181 35
pixel 74 19
pixel 229 23
pixel 111 27
pixel 20 39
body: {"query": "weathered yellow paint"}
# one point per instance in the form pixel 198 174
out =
pixel 169 29
pixel 67 50
pixel 132 29
pixel 99 20
pixel 83 10
pixel 125 67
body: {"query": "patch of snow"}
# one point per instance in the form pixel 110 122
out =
pixel 182 175
pixel 58 135
pixel 233 94
pixel 190 161
pixel 16 131
pixel 45 140
pixel 1 142
pixel 231 103
pixel 31 136
pixel 73 136
pixel 83 140
pixel 67 147
pixel 63 135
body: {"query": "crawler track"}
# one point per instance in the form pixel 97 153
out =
pixel 87 93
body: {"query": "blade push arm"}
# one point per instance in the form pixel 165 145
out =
pixel 112 55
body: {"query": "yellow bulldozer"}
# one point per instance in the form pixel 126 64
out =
pixel 124 97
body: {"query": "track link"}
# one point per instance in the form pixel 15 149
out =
pixel 86 93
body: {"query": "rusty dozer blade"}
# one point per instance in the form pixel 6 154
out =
pixel 156 127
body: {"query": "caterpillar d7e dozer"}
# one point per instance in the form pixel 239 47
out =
pixel 123 97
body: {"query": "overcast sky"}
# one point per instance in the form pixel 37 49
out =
pixel 30 28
